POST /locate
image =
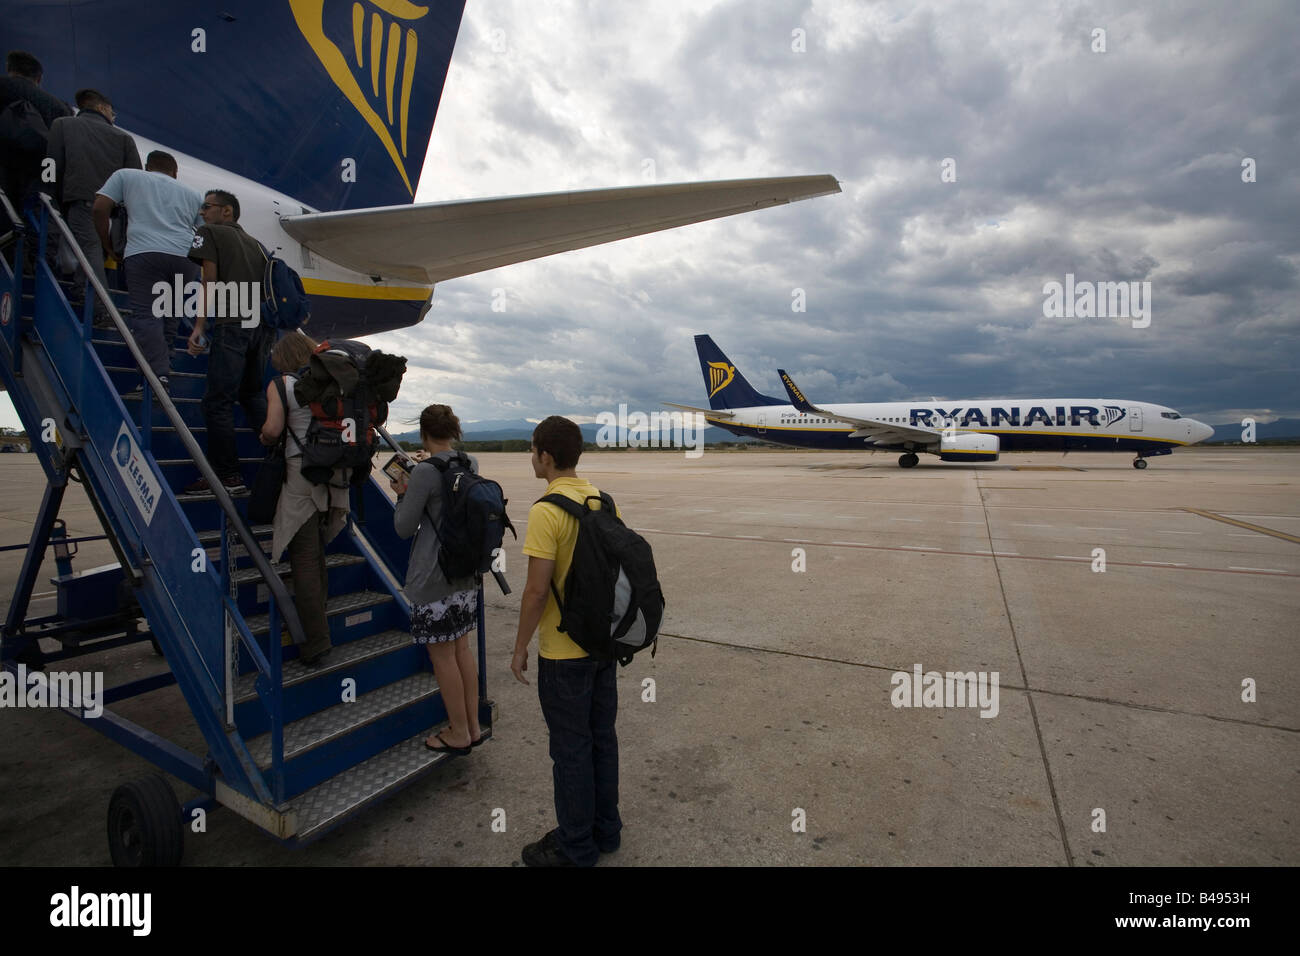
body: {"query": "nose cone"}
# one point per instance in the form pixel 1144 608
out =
pixel 1200 432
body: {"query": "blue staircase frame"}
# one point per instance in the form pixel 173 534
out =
pixel 196 612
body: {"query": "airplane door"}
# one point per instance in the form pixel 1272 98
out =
pixel 1135 416
pixel 762 422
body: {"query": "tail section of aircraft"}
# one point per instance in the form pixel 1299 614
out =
pixel 723 383
pixel 329 101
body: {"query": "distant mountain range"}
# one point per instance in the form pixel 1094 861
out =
pixel 520 429
pixel 1283 428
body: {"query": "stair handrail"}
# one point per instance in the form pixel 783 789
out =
pixel 281 594
pixel 9 210
pixel 383 432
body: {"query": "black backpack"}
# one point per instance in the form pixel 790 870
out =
pixel 613 604
pixel 473 521
pixel 23 132
pixel 348 388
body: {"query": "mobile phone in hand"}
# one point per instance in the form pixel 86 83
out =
pixel 398 468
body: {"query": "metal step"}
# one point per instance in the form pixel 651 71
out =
pixel 178 402
pixel 328 804
pixel 259 530
pixel 282 568
pixel 342 657
pixel 176 462
pixel 259 624
pixel 198 430
pixel 185 499
pixel 237 551
pixel 131 370
pixel 343 718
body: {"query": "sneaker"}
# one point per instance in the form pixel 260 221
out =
pixel 315 660
pixel 232 484
pixel 609 846
pixel 166 384
pixel 545 852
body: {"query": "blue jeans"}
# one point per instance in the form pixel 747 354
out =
pixel 236 370
pixel 155 336
pixel 580 702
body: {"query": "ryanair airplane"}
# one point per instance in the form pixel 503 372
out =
pixel 316 114
pixel 975 430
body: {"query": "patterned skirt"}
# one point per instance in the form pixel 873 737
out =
pixel 445 619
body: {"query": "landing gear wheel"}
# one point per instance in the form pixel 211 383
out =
pixel 908 460
pixel 1139 463
pixel 144 824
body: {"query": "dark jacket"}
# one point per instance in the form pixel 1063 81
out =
pixel 86 150
pixel 20 88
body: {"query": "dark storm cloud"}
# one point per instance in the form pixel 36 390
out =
pixel 1117 166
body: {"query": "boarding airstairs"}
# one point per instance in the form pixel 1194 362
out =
pixel 295 750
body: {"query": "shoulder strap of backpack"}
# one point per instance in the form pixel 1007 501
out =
pixel 573 510
pixel 284 403
pixel 565 504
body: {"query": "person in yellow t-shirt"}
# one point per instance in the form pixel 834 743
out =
pixel 579 696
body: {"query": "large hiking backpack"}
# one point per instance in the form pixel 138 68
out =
pixel 613 604
pixel 285 305
pixel 473 520
pixel 348 388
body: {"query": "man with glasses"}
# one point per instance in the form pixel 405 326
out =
pixel 240 347
pixel 87 149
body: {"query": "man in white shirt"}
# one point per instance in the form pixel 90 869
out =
pixel 160 233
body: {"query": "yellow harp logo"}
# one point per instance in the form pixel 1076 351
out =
pixel 380 49
pixel 720 376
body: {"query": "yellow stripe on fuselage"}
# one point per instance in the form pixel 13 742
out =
pixel 358 290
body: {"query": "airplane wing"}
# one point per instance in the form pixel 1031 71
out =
pixel 429 242
pixel 710 412
pixel 883 433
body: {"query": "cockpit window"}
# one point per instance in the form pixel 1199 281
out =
pixel 1172 415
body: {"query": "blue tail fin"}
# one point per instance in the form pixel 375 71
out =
pixel 329 101
pixel 725 385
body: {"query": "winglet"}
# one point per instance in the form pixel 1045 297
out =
pixel 796 397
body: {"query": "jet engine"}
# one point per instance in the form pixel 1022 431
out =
pixel 968 446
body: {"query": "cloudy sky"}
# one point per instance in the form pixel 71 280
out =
pixel 1122 165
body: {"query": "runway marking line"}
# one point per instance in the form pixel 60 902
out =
pixel 968 554
pixel 1294 539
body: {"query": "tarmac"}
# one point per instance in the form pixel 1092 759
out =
pixel 1146 714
